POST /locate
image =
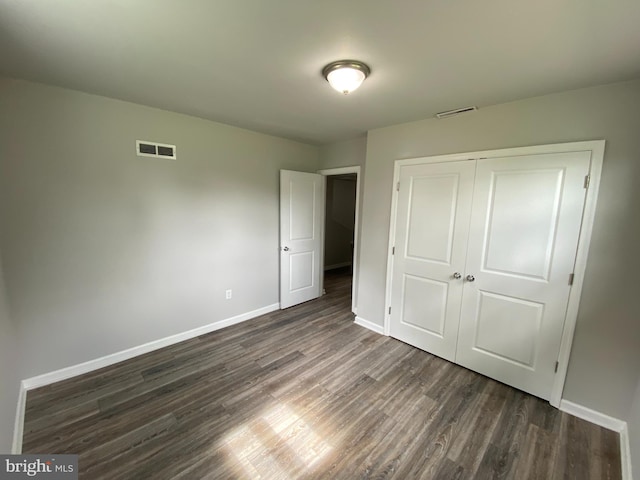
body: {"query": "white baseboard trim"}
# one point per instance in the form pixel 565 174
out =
pixel 18 428
pixel 608 422
pixel 374 327
pixel 592 416
pixel 337 265
pixel 625 454
pixel 91 365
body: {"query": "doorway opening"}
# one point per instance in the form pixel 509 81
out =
pixel 340 232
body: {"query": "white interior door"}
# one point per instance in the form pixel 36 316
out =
pixel 301 221
pixel 525 224
pixel 434 204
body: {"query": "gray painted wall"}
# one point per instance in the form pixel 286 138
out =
pixel 10 373
pixel 348 153
pixel 105 250
pixel 603 371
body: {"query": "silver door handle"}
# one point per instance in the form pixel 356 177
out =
pixel 471 278
pixel 286 249
pixel 457 275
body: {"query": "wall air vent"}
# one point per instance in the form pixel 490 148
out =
pixel 154 149
pixel 457 111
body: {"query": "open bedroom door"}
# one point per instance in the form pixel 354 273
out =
pixel 301 221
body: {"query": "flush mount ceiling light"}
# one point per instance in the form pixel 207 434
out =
pixel 346 75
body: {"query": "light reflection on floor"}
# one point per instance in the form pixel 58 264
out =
pixel 277 444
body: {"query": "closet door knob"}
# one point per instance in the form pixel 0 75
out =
pixel 471 278
pixel 457 275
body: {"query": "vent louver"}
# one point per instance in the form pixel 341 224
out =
pixel 457 111
pixel 154 149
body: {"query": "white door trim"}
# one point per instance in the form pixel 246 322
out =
pixel 356 230
pixel 596 147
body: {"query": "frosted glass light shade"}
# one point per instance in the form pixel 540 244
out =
pixel 345 80
pixel 346 75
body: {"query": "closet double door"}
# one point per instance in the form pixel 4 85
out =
pixel 483 254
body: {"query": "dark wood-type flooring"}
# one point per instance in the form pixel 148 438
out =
pixel 306 393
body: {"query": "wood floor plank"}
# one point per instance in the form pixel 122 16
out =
pixel 306 393
pixel 537 456
pixel 477 427
pixel 433 447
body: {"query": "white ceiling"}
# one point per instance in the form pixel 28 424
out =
pixel 257 63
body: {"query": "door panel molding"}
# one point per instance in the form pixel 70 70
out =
pixel 433 285
pixel 491 251
pixel 595 149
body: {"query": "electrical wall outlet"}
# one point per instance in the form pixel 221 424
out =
pixel 228 294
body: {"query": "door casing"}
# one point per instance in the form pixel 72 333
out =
pixel 596 149
pixel 356 228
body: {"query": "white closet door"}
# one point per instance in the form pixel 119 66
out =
pixel 434 204
pixel 526 220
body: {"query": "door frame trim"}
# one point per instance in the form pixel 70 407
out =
pixel 356 227
pixel 596 148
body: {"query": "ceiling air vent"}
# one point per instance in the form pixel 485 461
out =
pixel 457 111
pixel 154 149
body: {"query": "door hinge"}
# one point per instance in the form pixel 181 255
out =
pixel 398 186
pixel 556 369
pixel 587 180
pixel 389 310
pixel 572 276
pixel 393 250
